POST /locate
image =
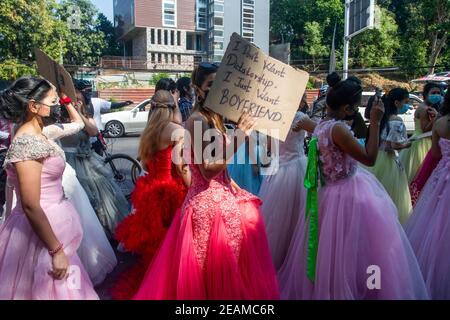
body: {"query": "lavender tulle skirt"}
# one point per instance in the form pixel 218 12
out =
pixel 363 252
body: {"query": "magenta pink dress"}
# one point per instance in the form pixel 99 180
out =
pixel 216 248
pixel 421 178
pixel 359 233
pixel 429 228
pixel 24 259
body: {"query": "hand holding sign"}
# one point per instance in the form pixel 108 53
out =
pixel 250 81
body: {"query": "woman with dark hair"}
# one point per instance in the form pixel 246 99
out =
pixel 40 238
pixel 186 97
pixel 429 226
pixel 424 117
pixel 95 176
pixel 393 137
pixel 352 223
pixel 166 84
pixel 216 247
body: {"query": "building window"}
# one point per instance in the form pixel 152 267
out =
pixel 159 57
pixel 166 37
pixel 166 57
pixel 153 58
pixel 178 38
pixel 152 36
pixel 218 21
pixel 179 58
pixel 172 38
pixel 190 41
pixel 199 42
pixel 159 36
pixel 201 14
pixel 172 56
pixel 169 13
pixel 248 20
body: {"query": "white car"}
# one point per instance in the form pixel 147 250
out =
pixel 408 117
pixel 120 123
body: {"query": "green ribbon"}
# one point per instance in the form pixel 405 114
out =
pixel 312 212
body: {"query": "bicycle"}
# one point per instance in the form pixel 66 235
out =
pixel 126 170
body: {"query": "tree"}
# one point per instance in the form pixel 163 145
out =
pixel 113 48
pixel 313 45
pixel 85 43
pixel 24 25
pixel 377 47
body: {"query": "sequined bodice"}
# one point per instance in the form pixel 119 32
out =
pixel 335 164
pixel 210 200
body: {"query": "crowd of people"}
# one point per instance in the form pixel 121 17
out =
pixel 342 210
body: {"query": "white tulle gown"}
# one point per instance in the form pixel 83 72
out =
pixel 283 193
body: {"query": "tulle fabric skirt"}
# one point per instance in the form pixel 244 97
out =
pixel 142 232
pixel 429 232
pixel 392 176
pixel 95 251
pixel 176 273
pixel 25 262
pixel 359 235
pixel 105 195
pixel 412 157
pixel 284 197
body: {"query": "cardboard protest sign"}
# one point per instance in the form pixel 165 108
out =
pixel 55 73
pixel 249 80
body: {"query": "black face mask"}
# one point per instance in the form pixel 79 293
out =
pixel 54 116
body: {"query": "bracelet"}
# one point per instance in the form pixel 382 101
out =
pixel 55 251
pixel 65 100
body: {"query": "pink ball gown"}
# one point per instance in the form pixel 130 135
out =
pixel 429 228
pixel 216 248
pixel 358 229
pixel 24 259
pixel 421 178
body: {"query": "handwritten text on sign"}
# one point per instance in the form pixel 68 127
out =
pixel 250 81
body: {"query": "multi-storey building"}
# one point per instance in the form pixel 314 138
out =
pixel 174 35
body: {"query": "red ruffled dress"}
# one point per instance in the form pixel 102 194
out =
pixel 156 198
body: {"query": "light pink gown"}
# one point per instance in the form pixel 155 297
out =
pixel 215 249
pixel 24 259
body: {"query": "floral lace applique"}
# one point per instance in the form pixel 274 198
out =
pixel 335 164
pixel 31 147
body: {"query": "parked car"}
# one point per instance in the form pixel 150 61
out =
pixel 117 124
pixel 408 117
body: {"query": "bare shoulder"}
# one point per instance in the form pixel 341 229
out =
pixel 441 125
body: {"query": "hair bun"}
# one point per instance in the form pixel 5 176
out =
pixel 333 79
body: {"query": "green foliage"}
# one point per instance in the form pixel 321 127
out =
pixel 113 48
pixel 24 25
pixel 158 76
pixel 412 35
pixel 85 44
pixel 376 47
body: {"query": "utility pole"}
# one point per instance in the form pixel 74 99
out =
pixel 346 38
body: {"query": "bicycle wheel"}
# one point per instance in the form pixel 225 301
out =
pixel 125 170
